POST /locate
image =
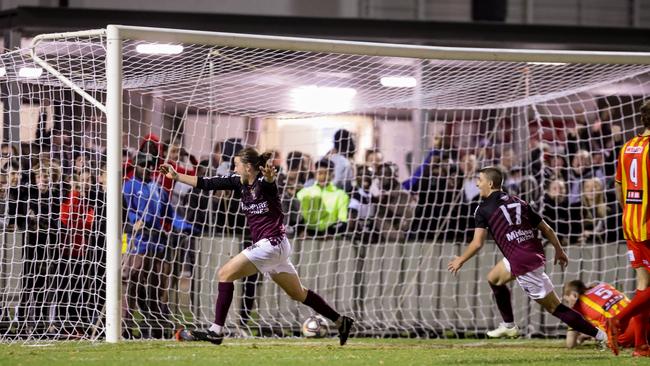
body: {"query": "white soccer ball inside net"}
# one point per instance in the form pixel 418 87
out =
pixel 315 327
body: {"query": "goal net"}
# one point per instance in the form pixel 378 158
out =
pixel 394 133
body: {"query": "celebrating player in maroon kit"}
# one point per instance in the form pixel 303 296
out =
pixel 255 180
pixel 513 225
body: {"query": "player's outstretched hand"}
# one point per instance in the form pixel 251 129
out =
pixel 269 172
pixel 454 265
pixel 168 171
pixel 561 259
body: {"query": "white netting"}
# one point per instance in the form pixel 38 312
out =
pixel 410 185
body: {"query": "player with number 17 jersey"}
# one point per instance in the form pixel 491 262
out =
pixel 513 226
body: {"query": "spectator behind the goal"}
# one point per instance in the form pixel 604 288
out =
pixel 16 196
pixel 294 181
pixel 436 191
pixel 556 209
pixel 342 156
pixel 308 166
pixel 396 206
pixel 7 152
pixel 235 220
pixel 592 217
pixel 556 167
pixel 231 147
pixel 77 220
pixel 591 131
pixel 215 156
pixel 39 252
pixel 81 161
pixel 324 207
pixel 582 168
pixel 4 202
pixel 468 173
pixel 201 206
pixel 175 155
pixel 363 207
pixel 413 183
pixel 145 271
pixel 96 251
pixel 513 172
pixel 202 210
pixel 150 144
pixel 373 158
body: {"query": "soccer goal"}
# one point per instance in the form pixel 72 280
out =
pixel 87 113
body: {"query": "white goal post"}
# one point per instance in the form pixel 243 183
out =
pixel 537 93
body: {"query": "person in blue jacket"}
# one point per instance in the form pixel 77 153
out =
pixel 146 267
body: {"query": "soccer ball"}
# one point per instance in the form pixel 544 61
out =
pixel 315 327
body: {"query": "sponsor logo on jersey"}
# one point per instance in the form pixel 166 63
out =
pixel 634 197
pixel 634 150
pixel 255 208
pixel 613 301
pixel 520 235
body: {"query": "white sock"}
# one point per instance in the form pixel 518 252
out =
pixel 509 325
pixel 216 328
pixel 601 336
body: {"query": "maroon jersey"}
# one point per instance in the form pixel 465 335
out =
pixel 259 201
pixel 513 225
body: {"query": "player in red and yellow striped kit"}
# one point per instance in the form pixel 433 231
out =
pixel 633 192
pixel 598 303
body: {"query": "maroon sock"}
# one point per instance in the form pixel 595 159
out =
pixel 224 299
pixel 576 321
pixel 314 301
pixel 502 298
pixel 639 303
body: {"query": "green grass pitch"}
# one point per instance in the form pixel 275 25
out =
pixel 292 351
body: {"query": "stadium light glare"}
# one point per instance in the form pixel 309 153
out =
pixel 30 72
pixel 159 49
pixel 319 99
pixel 398 81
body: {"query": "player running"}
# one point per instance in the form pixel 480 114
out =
pixel 271 251
pixel 513 225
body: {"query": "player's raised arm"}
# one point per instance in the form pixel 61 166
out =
pixel 474 246
pixel 171 173
pixel 549 234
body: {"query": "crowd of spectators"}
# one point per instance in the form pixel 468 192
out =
pixel 55 194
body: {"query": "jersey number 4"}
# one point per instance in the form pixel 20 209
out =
pixel 506 214
pixel 634 175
